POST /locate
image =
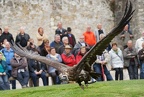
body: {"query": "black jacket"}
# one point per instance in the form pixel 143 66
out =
pixel 22 39
pixel 7 36
pixel 34 65
pixel 57 31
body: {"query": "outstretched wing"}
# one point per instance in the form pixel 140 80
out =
pixel 31 55
pixel 97 49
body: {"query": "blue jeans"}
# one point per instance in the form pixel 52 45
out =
pixel 98 69
pixel 23 78
pixel 133 71
pixel 4 84
pixel 142 71
pixel 36 77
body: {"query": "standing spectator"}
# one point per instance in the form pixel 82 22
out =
pixel 51 70
pixel 138 44
pixel 62 47
pixel 60 30
pixel 20 70
pixel 9 54
pixel 81 43
pixel 46 48
pixel 99 31
pixel 4 84
pixel 70 36
pixel 141 57
pixel 117 62
pixel 126 30
pixel 80 54
pixel 89 37
pixel 6 35
pixel 67 57
pixel 56 43
pixel 40 36
pixel 101 64
pixel 126 35
pixel 130 59
pixel 22 38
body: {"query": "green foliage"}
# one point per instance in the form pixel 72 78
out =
pixel 134 88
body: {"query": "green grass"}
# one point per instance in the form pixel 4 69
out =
pixel 129 88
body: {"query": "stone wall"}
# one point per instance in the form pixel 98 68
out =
pixel 47 13
pixel 137 21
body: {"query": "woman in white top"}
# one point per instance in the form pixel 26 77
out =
pixel 117 62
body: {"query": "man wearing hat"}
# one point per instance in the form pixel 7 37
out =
pixel 67 57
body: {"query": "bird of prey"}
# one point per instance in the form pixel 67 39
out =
pixel 82 71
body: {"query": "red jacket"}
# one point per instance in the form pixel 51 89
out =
pixel 90 38
pixel 68 59
pixel 78 57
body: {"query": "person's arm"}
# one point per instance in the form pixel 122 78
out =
pixel 110 55
pixel 59 58
pixel 14 63
pixel 126 55
pixel 17 39
pixel 134 52
pixel 39 38
pixel 98 60
pixel 30 63
pixel 107 57
pixel 141 55
pixel 12 39
pixel 74 39
pixel 52 44
pixel 23 63
pixel 97 35
pixel 94 39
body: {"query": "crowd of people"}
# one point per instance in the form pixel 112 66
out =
pixel 65 49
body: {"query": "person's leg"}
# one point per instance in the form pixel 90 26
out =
pixel 53 77
pixel 13 82
pixel 44 78
pixel 135 73
pixel 20 78
pixel 6 82
pixel 25 77
pixel 58 81
pixel 34 78
pixel 107 74
pixel 2 85
pixel 142 71
pixel 97 69
pixel 116 73
pixel 121 73
pixel 130 71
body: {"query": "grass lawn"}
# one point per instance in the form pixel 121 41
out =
pixel 127 88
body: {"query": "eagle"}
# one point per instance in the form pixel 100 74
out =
pixel 82 71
